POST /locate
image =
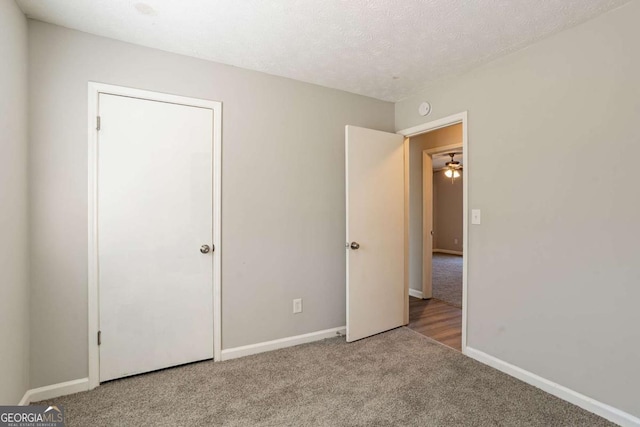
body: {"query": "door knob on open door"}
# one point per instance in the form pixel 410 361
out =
pixel 354 245
pixel 205 249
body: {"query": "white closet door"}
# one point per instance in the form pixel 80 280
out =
pixel 155 212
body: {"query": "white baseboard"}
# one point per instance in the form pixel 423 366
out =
pixel 414 293
pixel 25 399
pixel 602 409
pixel 54 390
pixel 447 251
pixel 247 350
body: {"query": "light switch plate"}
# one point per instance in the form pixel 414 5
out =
pixel 475 216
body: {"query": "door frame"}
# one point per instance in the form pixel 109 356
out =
pixel 418 130
pixel 94 89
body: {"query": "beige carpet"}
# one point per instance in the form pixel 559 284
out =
pixel 447 278
pixel 398 378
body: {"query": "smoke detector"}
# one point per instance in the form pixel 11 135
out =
pixel 424 109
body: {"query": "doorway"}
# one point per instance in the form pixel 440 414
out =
pixel 443 215
pixel 436 312
pixel 377 182
pixel 154 231
pixel 435 155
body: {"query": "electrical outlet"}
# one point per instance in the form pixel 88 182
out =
pixel 297 305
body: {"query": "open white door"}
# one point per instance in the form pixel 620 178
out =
pixel 427 225
pixel 375 232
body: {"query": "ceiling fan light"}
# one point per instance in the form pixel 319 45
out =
pixel 448 173
pixel 456 174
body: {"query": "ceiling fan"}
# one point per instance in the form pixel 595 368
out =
pixel 452 168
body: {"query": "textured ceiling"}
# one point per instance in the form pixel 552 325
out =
pixel 380 48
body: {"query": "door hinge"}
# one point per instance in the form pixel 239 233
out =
pixel 99 337
pixel 98 123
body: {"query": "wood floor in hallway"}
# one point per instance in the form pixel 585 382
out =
pixel 437 320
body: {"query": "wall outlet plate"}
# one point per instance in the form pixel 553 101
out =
pixel 297 305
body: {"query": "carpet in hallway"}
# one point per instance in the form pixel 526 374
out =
pixel 447 278
pixel 398 378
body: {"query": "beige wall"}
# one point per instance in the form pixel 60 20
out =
pixel 283 213
pixel 438 138
pixel 553 269
pixel 14 280
pixel 447 212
